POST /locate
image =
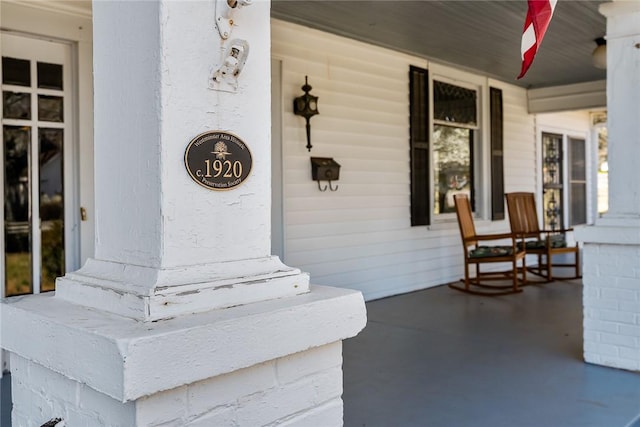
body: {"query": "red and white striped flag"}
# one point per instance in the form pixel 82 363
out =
pixel 535 25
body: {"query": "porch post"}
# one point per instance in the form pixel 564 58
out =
pixel 183 317
pixel 612 246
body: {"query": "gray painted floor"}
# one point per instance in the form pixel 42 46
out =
pixel 444 358
pixel 441 358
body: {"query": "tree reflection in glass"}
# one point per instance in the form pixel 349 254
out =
pixel 452 165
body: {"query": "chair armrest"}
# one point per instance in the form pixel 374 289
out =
pixel 561 230
pixel 494 236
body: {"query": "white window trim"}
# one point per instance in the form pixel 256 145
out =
pixel 482 178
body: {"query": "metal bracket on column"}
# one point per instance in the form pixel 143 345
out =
pixel 225 78
pixel 225 9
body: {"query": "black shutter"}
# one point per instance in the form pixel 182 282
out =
pixel 497 156
pixel 419 143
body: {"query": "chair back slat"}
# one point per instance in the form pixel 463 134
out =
pixel 465 218
pixel 523 216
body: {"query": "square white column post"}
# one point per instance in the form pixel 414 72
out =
pixel 165 244
pixel 182 318
pixel 612 246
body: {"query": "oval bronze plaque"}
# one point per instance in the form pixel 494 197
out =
pixel 218 160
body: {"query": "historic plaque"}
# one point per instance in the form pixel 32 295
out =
pixel 218 160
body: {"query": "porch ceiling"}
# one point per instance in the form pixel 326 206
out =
pixel 475 35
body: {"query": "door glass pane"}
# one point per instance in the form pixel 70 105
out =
pixel 578 203
pixel 16 71
pixel 16 105
pixel 578 181
pixel 17 230
pixel 578 159
pixel 452 165
pixel 50 108
pixel 603 171
pixel 49 76
pixel 51 205
pixel 552 181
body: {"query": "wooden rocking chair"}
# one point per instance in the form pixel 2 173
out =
pixel 474 254
pixel 523 218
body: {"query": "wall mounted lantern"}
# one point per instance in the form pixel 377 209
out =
pixel 307 107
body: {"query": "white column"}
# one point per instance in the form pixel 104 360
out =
pixel 183 317
pixel 165 245
pixel 612 246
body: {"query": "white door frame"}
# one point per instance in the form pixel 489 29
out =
pixel 46 50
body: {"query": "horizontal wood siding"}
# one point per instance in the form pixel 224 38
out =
pixel 360 236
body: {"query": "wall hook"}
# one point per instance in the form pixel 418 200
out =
pixel 325 169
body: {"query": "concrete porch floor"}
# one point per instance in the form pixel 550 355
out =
pixel 440 357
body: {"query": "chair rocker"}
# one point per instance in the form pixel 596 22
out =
pixel 476 254
pixel 523 219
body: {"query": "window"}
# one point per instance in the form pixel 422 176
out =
pixel 577 181
pixel 444 156
pixel 552 188
pixel 455 122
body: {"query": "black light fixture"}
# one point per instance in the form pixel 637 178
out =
pixel 307 107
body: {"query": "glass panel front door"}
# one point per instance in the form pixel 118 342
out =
pixel 35 143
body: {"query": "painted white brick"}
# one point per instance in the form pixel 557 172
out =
pixel 591 357
pixel 204 396
pixel 591 335
pixel 618 340
pixel 47 382
pixel 619 294
pixel 299 365
pixel 588 267
pixel 600 349
pixel 162 407
pixel 106 410
pixel 631 331
pixel 617 271
pixel 34 406
pixel 620 363
pixel 222 417
pixel 600 326
pixel 329 414
pixel 616 316
pixel 628 283
pixel 22 420
pixel 630 306
pixel 591 292
pixel 611 304
pixel 630 353
pixel 264 408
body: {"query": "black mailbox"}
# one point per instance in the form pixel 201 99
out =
pixel 325 169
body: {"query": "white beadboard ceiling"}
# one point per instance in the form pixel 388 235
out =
pixel 476 35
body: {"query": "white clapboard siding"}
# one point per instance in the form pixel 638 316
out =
pixel 360 236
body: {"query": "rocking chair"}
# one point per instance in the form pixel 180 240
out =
pixel 523 218
pixel 474 254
